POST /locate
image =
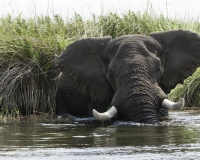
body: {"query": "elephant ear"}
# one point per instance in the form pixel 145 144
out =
pixel 81 63
pixel 180 58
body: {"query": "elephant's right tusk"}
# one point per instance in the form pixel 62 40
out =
pixel 173 105
pixel 106 115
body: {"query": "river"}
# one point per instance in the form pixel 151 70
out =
pixel 84 138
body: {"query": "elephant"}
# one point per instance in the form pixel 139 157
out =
pixel 126 78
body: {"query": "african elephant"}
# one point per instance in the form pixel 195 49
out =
pixel 131 73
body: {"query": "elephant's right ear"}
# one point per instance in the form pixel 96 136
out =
pixel 80 61
pixel 181 56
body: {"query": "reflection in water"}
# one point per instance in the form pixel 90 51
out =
pixel 87 138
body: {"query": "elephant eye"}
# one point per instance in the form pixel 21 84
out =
pixel 111 77
pixel 158 69
pixel 112 81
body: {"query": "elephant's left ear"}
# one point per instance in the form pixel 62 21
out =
pixel 180 58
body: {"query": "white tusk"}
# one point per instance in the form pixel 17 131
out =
pixel 173 105
pixel 106 115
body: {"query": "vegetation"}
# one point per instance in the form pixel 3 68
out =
pixel 189 90
pixel 29 50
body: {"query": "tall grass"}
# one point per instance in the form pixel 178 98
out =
pixel 29 50
pixel 189 90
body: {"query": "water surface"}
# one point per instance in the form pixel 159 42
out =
pixel 85 138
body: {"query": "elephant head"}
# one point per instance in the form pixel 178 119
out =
pixel 131 73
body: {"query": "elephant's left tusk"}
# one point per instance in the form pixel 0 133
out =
pixel 106 115
pixel 173 105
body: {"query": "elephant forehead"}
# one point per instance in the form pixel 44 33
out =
pixel 141 45
pixel 145 64
pixel 142 57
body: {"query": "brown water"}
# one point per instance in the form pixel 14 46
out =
pixel 69 138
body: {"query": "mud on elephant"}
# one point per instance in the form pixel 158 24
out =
pixel 131 73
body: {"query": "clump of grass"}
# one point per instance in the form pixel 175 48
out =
pixel 29 49
pixel 189 90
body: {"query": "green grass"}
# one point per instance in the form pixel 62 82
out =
pixel 29 50
pixel 189 90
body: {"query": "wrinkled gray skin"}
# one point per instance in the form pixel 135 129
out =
pixel 132 72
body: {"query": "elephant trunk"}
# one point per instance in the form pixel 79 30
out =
pixel 140 108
